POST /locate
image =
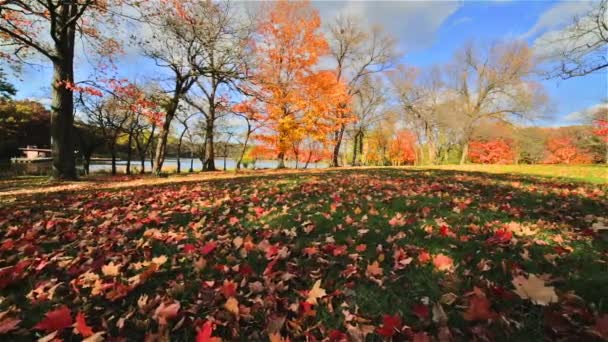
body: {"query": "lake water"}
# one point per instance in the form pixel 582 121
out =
pixel 170 165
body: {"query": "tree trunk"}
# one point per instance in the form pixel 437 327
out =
pixel 338 142
pixel 355 148
pixel 465 151
pixel 361 136
pixel 86 163
pixel 179 151
pixel 143 164
pixel 113 153
pixel 129 152
pixel 225 153
pixel 209 148
pixel 308 159
pixel 238 163
pixel 62 118
pixel 161 145
pixel 191 162
pixel 281 158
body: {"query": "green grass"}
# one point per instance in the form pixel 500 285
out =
pixel 597 174
pixel 65 234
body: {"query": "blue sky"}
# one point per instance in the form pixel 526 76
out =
pixel 428 33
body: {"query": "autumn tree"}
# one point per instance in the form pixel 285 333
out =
pixel 563 150
pixel 50 28
pixel 581 48
pixel 288 45
pixel 22 123
pixel 496 151
pixel 493 84
pixel 402 148
pixel 357 53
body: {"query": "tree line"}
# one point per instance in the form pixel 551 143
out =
pixel 278 83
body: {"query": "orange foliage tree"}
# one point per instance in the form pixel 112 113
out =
pixel 496 151
pixel 562 150
pixel 299 101
pixel 402 149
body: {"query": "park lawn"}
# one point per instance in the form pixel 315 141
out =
pixel 337 255
pixel 596 173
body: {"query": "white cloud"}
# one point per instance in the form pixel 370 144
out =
pixel 584 115
pixel 558 16
pixel 414 23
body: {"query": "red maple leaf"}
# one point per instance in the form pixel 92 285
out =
pixel 208 248
pixel 501 236
pixel 479 309
pixel 390 325
pixel 205 332
pixel 81 325
pixel 421 310
pixel 228 288
pixel 57 319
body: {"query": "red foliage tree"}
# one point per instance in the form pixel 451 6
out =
pixel 602 129
pixel 491 152
pixel 402 148
pixel 562 150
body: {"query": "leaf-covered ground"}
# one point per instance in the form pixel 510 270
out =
pixel 339 256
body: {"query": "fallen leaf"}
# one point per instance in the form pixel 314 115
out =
pixel 110 270
pixel 9 324
pixel 57 319
pixel 232 305
pixel 443 262
pixel 164 313
pixel 374 269
pixel 390 325
pixel 81 327
pixel 205 332
pixel 315 293
pixel 534 288
pixel 479 309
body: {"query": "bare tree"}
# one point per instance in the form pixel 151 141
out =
pixel 357 53
pixel 111 119
pixel 250 113
pixel 493 84
pixel 173 50
pixel 183 118
pixel 221 62
pixel 419 94
pixel 367 108
pixel 581 48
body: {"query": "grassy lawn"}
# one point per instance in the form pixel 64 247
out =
pixel 337 255
pixel 597 174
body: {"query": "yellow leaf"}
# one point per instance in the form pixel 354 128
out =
pixel 110 269
pixel 315 293
pixel 159 260
pixel 232 305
